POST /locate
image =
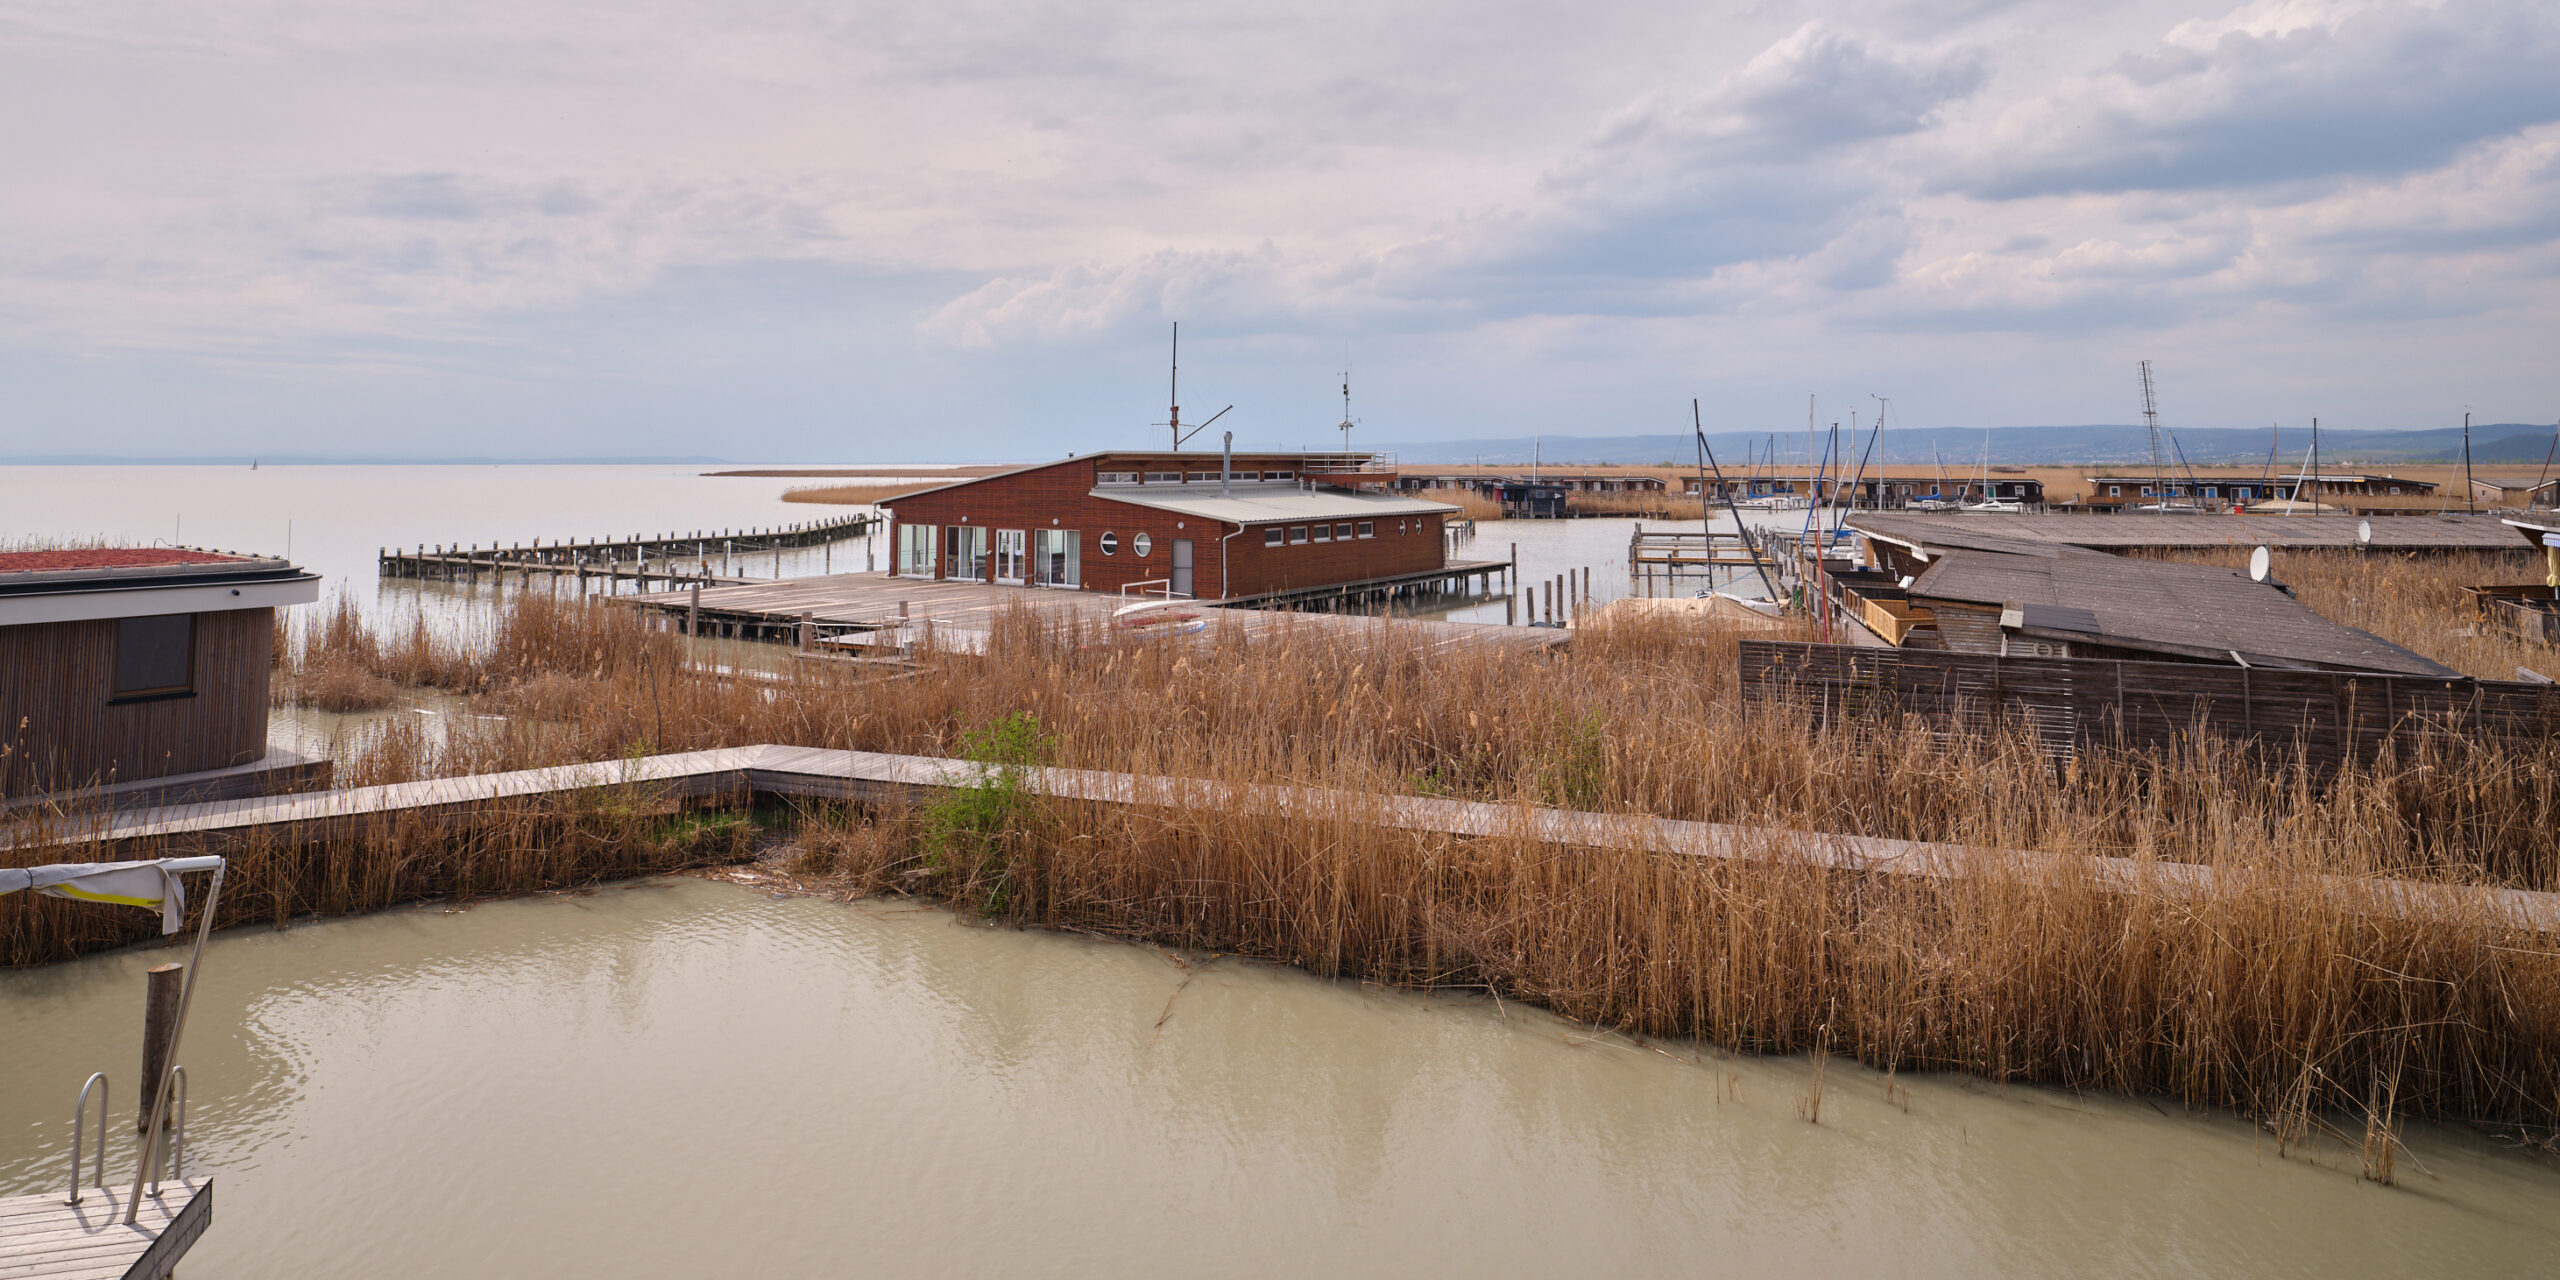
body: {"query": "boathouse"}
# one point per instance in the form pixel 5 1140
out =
pixel 1208 526
pixel 142 670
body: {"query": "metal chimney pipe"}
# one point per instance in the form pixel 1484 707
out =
pixel 1227 467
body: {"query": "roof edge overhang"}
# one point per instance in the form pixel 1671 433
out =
pixel 93 602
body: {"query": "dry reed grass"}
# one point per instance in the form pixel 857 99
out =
pixel 854 495
pixel 2271 988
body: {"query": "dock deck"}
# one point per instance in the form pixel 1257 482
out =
pixel 863 609
pixel 46 1237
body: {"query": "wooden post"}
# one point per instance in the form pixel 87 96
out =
pixel 159 1022
pixel 808 629
pixel 693 610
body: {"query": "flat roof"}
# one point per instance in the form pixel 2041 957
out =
pixel 2187 610
pixel 2015 532
pixel 1277 504
pixel 69 558
pixel 87 583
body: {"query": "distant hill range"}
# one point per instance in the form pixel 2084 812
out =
pixel 2503 443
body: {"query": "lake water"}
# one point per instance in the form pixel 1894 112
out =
pixel 681 1078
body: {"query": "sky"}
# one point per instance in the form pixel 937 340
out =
pixel 897 230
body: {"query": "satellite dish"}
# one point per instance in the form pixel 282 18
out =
pixel 2364 531
pixel 2259 562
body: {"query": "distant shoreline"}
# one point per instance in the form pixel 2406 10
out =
pixel 953 472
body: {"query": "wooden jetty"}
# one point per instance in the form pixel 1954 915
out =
pixel 878 611
pixel 743 774
pixel 47 1237
pixel 667 559
pixel 1678 550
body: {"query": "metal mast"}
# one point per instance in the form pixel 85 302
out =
pixel 1173 394
pixel 2151 421
pixel 1346 423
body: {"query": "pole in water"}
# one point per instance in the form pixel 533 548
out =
pixel 159 1022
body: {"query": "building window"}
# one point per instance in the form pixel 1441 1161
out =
pixel 1164 477
pixel 1279 475
pixel 2113 491
pixel 1110 545
pixel 916 550
pixel 1201 477
pixel 1272 536
pixel 156 656
pixel 1324 533
pixel 2395 492
pixel 1297 534
pixel 1367 530
pixel 1341 531
pixel 1115 477
pixel 1142 544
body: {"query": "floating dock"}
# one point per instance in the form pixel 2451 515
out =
pixel 47 1237
pixel 876 610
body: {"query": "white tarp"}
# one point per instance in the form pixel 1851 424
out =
pixel 130 884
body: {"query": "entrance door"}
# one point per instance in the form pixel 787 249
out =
pixel 1182 566
pixel 1010 555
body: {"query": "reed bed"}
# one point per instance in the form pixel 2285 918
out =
pixel 855 495
pixel 2281 985
pixel 2291 1002
pixel 1637 718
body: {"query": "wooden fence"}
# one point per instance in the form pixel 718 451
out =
pixel 2073 702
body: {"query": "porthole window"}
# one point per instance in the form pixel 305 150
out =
pixel 1110 544
pixel 1142 544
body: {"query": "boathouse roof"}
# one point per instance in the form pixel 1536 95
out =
pixel 2020 533
pixel 2158 606
pixel 70 584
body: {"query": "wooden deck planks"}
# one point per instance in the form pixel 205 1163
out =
pixel 45 1237
pixel 839 602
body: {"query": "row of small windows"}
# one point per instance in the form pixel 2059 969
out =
pixel 1274 535
pixel 1179 477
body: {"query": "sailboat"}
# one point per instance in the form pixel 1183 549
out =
pixel 1983 478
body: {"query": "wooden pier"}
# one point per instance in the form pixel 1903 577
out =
pixel 881 613
pixel 46 1237
pixel 668 560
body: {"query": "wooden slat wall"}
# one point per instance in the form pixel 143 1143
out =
pixel 59 728
pixel 2328 716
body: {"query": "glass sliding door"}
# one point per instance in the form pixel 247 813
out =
pixel 1054 554
pixel 916 550
pixel 1013 555
pixel 965 547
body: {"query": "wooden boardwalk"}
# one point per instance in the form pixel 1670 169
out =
pixel 46 1237
pixel 875 610
pixel 813 773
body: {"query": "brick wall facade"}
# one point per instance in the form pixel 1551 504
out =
pixel 1058 496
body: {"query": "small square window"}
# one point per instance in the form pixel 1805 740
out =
pixel 1297 533
pixel 1367 530
pixel 155 655
pixel 1324 533
pixel 1342 531
pixel 1272 536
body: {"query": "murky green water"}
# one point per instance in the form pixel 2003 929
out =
pixel 683 1079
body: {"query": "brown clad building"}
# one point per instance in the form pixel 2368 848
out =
pixel 1214 527
pixel 122 666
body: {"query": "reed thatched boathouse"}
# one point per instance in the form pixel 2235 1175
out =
pixel 141 670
